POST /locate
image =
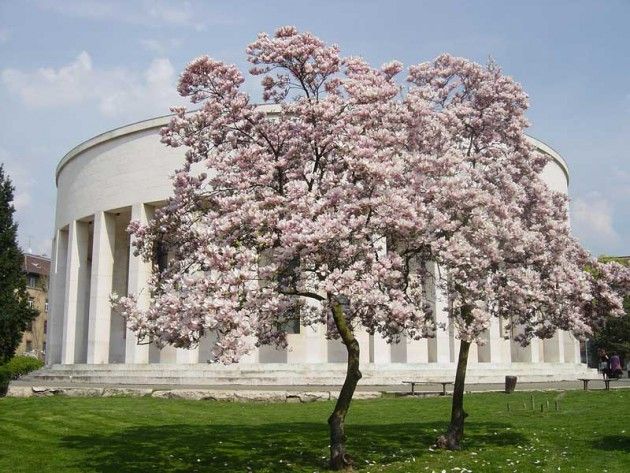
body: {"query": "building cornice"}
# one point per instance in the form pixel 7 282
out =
pixel 159 122
pixel 552 153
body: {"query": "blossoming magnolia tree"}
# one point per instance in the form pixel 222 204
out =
pixel 331 209
pixel 498 234
pixel 285 216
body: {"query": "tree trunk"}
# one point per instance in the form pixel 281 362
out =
pixel 453 437
pixel 339 458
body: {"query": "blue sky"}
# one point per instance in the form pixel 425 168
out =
pixel 72 69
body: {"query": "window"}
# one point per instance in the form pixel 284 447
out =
pixel 45 326
pixel 29 346
pixel 287 279
pixel 161 256
pixel 293 326
pixel 504 328
pixel 46 306
pixel 44 347
pixel 32 280
pixel 30 302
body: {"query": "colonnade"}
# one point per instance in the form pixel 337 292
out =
pixel 92 257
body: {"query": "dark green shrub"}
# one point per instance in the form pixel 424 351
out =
pixel 21 365
pixel 5 378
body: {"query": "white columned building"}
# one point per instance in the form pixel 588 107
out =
pixel 123 174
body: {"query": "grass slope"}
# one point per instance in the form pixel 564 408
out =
pixel 590 432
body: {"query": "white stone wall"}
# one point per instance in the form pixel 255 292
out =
pixel 124 174
pixel 115 174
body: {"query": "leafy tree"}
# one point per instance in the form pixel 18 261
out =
pixel 15 313
pixel 499 234
pixel 614 336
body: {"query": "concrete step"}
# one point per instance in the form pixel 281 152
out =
pixel 294 374
pixel 311 367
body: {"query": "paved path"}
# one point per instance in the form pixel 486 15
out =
pixel 486 387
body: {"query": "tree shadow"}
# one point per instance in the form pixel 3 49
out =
pixel 267 447
pixel 616 443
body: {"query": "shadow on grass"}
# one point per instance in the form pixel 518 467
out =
pixel 268 447
pixel 616 443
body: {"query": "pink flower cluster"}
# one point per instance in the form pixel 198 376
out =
pixel 347 194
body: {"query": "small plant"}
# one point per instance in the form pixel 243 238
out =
pixel 21 365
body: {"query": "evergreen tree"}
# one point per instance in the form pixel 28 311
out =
pixel 15 313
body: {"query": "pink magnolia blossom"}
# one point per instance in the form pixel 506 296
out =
pixel 499 234
pixel 330 206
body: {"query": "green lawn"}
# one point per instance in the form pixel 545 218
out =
pixel 590 432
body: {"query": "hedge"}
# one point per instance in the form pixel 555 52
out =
pixel 21 365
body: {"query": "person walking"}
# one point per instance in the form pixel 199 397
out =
pixel 603 362
pixel 614 367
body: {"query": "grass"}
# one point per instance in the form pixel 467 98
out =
pixel 590 432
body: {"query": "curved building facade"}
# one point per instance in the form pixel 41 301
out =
pixel 122 175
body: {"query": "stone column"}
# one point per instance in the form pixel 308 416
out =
pixel 316 344
pixel 101 288
pixel 252 356
pixel 553 348
pixel 364 345
pixel 185 356
pixel 57 295
pixel 296 347
pixel 528 354
pixel 484 350
pixel 417 350
pixel 167 355
pixel 139 274
pixel 49 336
pixel 571 348
pixel 496 348
pixel 559 337
pixel 440 345
pixel 299 344
pixel 382 350
pixel 577 354
pixel 76 295
pixel 504 344
pixel 473 353
pixel 535 349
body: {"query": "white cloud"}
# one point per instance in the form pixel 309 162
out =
pixel 154 13
pixel 37 246
pixel 621 182
pixel 22 200
pixel 176 13
pixel 115 91
pixel 33 204
pixel 88 9
pixel 48 87
pixel 21 179
pixel 160 46
pixel 592 222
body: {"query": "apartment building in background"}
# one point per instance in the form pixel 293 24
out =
pixel 33 341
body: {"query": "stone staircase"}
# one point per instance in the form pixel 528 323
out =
pixel 324 374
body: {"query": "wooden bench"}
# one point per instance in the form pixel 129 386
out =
pixel 413 385
pixel 605 380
